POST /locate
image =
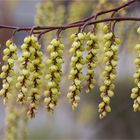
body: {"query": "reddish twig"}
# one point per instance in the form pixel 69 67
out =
pixel 106 11
pixel 51 28
pixel 40 30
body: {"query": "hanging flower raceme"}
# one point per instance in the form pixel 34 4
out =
pixel 23 80
pixel 54 73
pixel 10 55
pixel 77 63
pixel 109 74
pixel 91 60
pixel 35 67
pixel 135 95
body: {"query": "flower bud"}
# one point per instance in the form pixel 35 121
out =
pixel 54 73
pixel 109 73
pixel 76 73
pixel 135 91
pixel 138 30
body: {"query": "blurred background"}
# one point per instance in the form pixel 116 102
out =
pixel 82 124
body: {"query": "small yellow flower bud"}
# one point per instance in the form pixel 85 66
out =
pixel 72 50
pixel 110 93
pixel 2 91
pixel 138 30
pixel 117 41
pixel 10 61
pixel 74 105
pixel 73 36
pixel 137 47
pixel 101 105
pixel 26 54
pixel 25 72
pixel 135 106
pixel 8 43
pixel 106 99
pixel 27 39
pixel 105 28
pixel 135 90
pixel 77 98
pixel 107 108
pixel 20 95
pixel 81 36
pixel 55 42
pixel 138 99
pixel 6 51
pixel 76 44
pixel 108 36
pixel 133 95
pixel 13 48
pixel 69 95
pixel 47 99
pixel 51 105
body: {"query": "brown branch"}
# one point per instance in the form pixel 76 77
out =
pixel 70 26
pixel 44 29
pixel 106 11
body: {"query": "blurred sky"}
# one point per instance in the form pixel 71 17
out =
pixel 25 12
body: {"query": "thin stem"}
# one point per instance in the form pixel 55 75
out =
pixel 43 32
pixel 40 30
pixel 71 26
pixel 106 11
pixel 81 21
pixel 113 29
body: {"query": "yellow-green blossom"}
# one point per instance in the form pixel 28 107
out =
pixel 35 67
pixel 135 95
pixel 109 74
pixel 10 55
pixel 91 60
pixel 77 63
pixel 54 74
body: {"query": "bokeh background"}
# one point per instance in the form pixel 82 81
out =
pixel 82 124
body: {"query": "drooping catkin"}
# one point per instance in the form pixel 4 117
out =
pixel 36 73
pixel 10 55
pixel 91 60
pixel 109 73
pixel 135 94
pixel 77 63
pixel 23 80
pixel 54 74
